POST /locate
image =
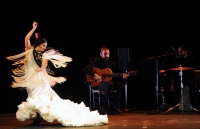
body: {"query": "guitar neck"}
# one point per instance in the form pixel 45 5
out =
pixel 119 74
pixel 113 75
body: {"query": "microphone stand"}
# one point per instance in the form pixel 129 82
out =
pixel 156 87
pixel 126 95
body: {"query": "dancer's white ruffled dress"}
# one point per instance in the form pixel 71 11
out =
pixel 42 99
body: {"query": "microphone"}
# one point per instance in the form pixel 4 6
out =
pixel 177 56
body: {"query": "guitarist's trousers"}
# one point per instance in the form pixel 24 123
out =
pixel 108 87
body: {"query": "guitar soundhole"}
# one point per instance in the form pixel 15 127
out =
pixel 103 76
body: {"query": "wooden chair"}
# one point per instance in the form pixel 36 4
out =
pixel 96 98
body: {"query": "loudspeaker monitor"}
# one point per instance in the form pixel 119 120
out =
pixel 124 58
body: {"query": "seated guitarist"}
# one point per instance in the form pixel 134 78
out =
pixel 102 63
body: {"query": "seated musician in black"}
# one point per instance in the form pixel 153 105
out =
pixel 101 63
pixel 187 61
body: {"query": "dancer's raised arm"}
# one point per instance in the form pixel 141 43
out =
pixel 28 36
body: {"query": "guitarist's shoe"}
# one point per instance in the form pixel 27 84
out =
pixel 102 111
pixel 116 109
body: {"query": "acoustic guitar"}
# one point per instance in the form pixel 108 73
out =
pixel 106 75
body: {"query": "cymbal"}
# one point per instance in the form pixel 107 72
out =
pixel 162 71
pixel 181 68
pixel 197 71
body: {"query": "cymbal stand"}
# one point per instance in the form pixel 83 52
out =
pixel 181 102
pixel 156 87
pixel 157 108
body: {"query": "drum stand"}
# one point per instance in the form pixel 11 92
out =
pixel 163 104
pixel 181 102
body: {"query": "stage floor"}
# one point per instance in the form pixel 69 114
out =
pixel 125 120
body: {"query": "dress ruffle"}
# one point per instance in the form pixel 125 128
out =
pixel 65 112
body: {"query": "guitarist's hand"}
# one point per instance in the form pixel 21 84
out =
pixel 125 75
pixel 97 78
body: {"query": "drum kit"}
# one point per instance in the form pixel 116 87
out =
pixel 164 74
pixel 181 104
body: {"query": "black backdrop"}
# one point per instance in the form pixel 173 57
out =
pixel 80 35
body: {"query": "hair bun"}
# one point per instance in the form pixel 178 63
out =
pixel 40 41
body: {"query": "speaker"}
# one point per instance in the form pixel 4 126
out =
pixel 124 58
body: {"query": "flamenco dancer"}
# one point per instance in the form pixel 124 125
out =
pixel 32 73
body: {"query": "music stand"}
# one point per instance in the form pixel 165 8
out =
pixel 181 103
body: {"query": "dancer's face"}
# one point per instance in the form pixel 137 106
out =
pixel 42 47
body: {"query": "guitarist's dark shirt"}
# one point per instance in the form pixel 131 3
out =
pixel 101 64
